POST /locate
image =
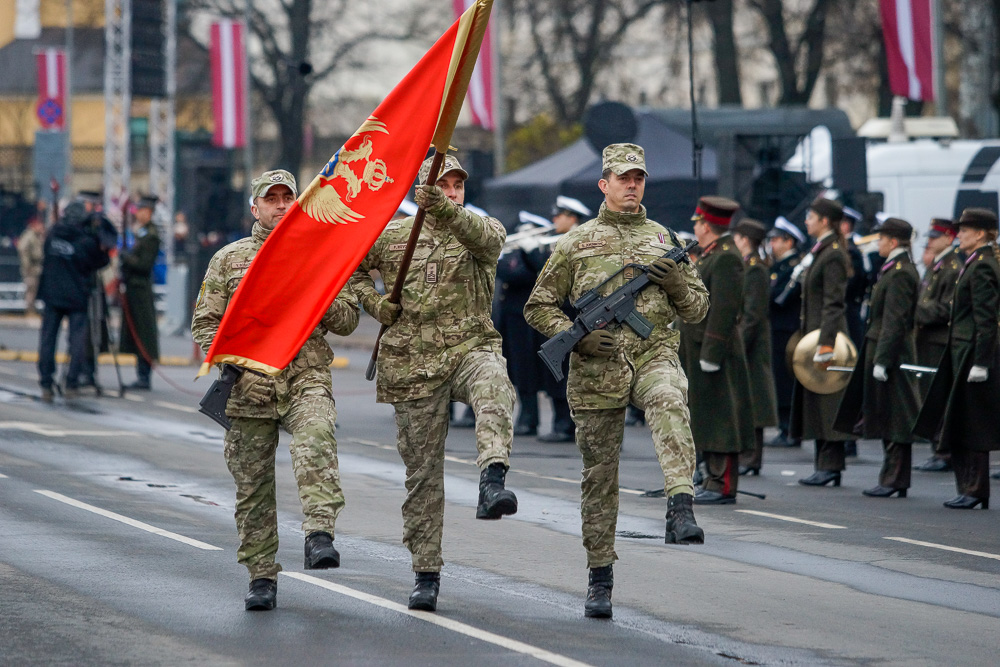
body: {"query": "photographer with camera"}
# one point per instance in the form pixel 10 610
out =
pixel 72 253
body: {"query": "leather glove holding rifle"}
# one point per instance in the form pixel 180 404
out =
pixel 432 199
pixel 387 312
pixel 665 273
pixel 598 343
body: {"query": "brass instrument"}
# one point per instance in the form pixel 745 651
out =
pixel 514 241
pixel 815 377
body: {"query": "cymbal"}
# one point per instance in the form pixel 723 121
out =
pixel 815 377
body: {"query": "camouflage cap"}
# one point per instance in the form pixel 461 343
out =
pixel 260 185
pixel 450 164
pixel 621 158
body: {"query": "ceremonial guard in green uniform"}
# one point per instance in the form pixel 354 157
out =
pixel 613 366
pixel 714 357
pixel 299 399
pixel 879 393
pixel 755 329
pixel 136 265
pixel 440 346
pixel 824 284
pixel 943 264
pixel 965 392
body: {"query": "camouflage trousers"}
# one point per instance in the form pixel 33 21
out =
pixel 659 388
pixel 250 449
pixel 481 381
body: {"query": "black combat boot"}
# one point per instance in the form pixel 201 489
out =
pixel 681 526
pixel 320 554
pixel 598 604
pixel 425 591
pixel 494 500
pixel 263 595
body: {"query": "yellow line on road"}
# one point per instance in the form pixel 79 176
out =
pixel 128 521
pixel 782 517
pixel 441 621
pixel 945 547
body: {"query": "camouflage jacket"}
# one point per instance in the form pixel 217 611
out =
pixel 264 396
pixel 585 257
pixel 30 247
pixel 446 300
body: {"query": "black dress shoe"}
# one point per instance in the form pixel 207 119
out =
pixel 320 552
pixel 934 464
pixel 747 470
pixel 995 475
pixel 782 440
pixel 884 492
pixel 557 436
pixel 821 478
pixel 967 503
pixel 263 595
pixel 425 591
pixel 140 385
pixel 524 429
pixel 704 497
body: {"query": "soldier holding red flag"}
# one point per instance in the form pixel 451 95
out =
pixel 440 345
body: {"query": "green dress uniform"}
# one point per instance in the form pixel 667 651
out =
pixel 755 330
pixel 934 311
pixel 964 410
pixel 137 275
pixel 824 284
pixel 721 415
pixel 299 399
pixel 443 347
pixel 887 409
pixel 646 372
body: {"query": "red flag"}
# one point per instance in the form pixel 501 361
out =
pixel 480 95
pixel 909 47
pixel 319 243
pixel 229 84
pixel 51 107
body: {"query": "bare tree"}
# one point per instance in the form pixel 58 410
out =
pixel 798 60
pixel 727 78
pixel 296 44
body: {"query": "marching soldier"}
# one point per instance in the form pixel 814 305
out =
pixel 440 345
pixel 785 308
pixel 879 392
pixel 139 334
pixel 714 358
pixel 934 313
pixel 611 367
pixel 824 284
pixel 755 330
pixel 299 399
pixel 965 391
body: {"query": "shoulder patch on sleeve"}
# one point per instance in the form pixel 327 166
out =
pixel 496 224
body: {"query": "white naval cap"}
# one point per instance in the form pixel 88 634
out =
pixel 407 207
pixel 853 214
pixel 572 205
pixel 782 224
pixel 882 216
pixel 532 219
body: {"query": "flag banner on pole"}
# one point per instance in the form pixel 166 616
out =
pixel 314 249
pixel 229 84
pixel 480 95
pixel 51 107
pixel 909 47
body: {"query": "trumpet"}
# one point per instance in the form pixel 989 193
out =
pixel 516 241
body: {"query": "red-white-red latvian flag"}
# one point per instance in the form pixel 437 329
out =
pixel 909 47
pixel 51 108
pixel 229 84
pixel 319 243
pixel 480 96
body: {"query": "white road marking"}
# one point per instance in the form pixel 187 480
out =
pixel 793 519
pixel 176 406
pixel 133 397
pixel 54 432
pixel 447 623
pixel 788 473
pixel 127 521
pixel 945 547
pixel 3 476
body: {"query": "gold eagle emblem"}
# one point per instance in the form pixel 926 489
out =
pixel 322 201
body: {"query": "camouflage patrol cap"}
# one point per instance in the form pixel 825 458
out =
pixel 450 164
pixel 260 185
pixel 621 158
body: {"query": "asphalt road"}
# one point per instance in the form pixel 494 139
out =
pixel 117 546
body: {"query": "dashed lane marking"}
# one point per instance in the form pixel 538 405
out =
pixel 3 476
pixel 133 397
pixel 446 623
pixel 782 517
pixel 128 521
pixel 54 432
pixel 945 547
pixel 176 406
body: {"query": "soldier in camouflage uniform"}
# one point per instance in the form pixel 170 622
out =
pixel 611 367
pixel 299 399
pixel 440 345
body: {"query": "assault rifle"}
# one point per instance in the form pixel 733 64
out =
pixel 213 403
pixel 597 312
